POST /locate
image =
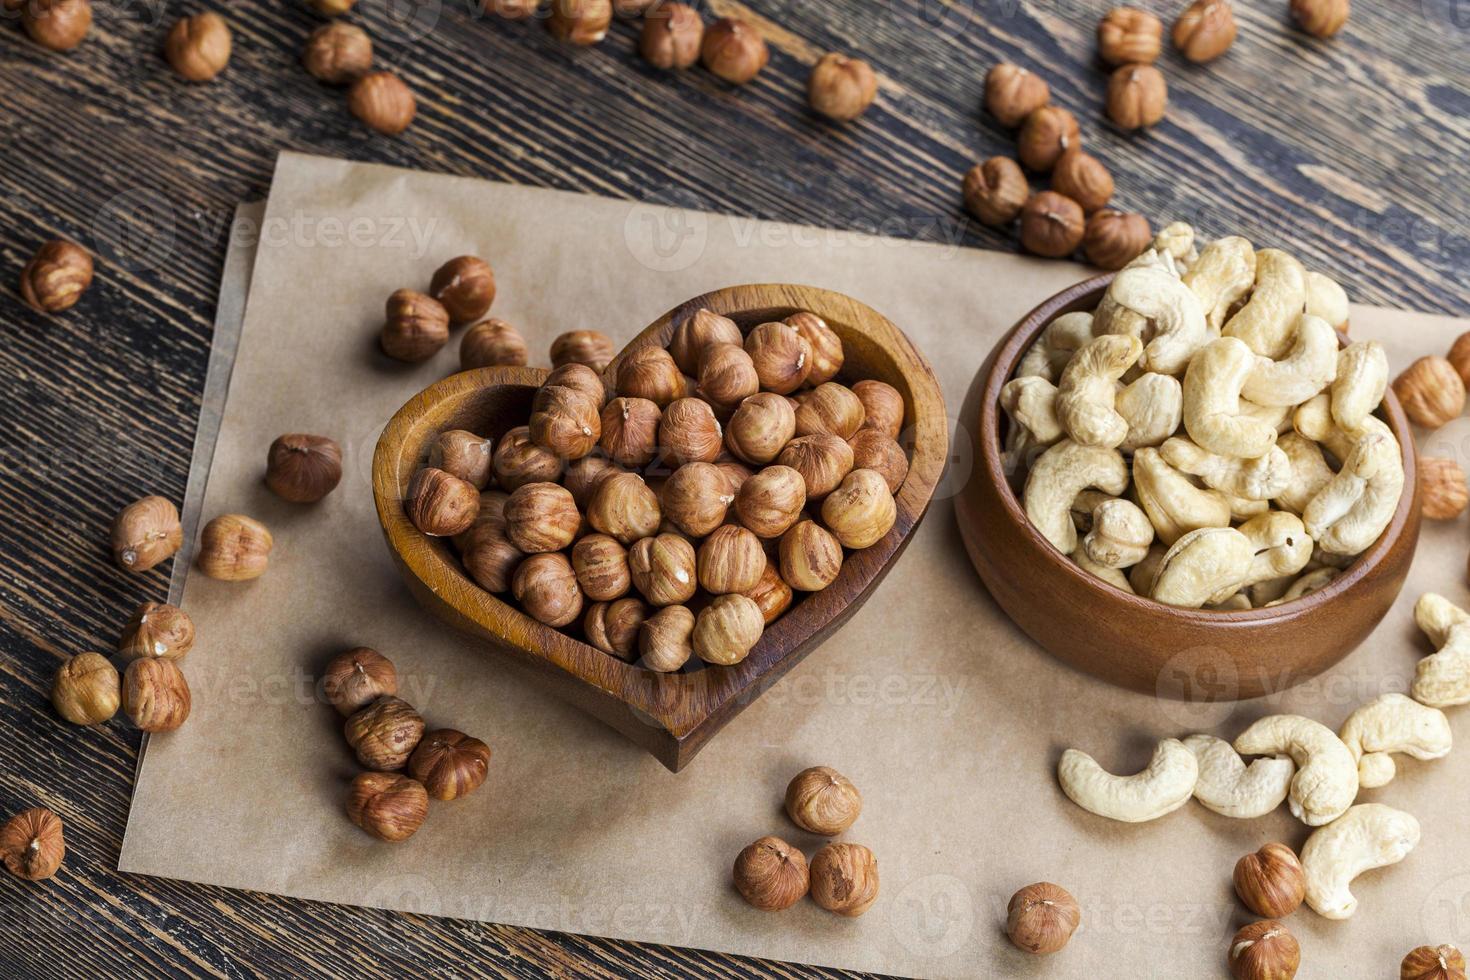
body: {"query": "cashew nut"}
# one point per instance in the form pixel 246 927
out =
pixel 1272 589
pixel 1221 276
pixel 1230 787
pixel 1149 303
pixel 1309 472
pixel 1266 321
pixel 1325 298
pixel 1362 378
pixel 1176 240
pixel 1312 581
pixel 1205 566
pixel 1253 479
pixel 1394 723
pixel 1239 602
pixel 1278 417
pixel 1062 472
pixel 1174 504
pixel 1085 506
pixel 1326 782
pixel 1310 366
pixel 1162 788
pixel 1031 404
pixel 1153 406
pixel 1120 534
pixel 1049 355
pixel 1036 363
pixel 1142 575
pixel 1113 576
pixel 1212 409
pixel 1085 395
pixel 1368 836
pixel 1242 510
pixel 1357 504
pixel 1442 679
pixel 1281 545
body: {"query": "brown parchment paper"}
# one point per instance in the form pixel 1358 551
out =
pixel 949 720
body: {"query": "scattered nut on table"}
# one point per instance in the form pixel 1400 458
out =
pixel 56 276
pixel 338 53
pixel 234 548
pixel 1431 392
pixel 1137 96
pixel 415 326
pixel 841 88
pixel 384 734
pixel 672 35
pixel 381 101
pixel 198 47
pixel 1270 881
pixel 492 343
pixel 1322 18
pixel 1368 836
pixel 33 844
pixel 387 805
pixel 155 695
pixel 1012 93
pixel 844 878
pixel 87 689
pixel 450 764
pixel 58 25
pixel 1041 918
pixel 156 629
pixel 1127 35
pixel 145 533
pixel 356 678
pixel 580 22
pixel 1264 950
pixel 1443 962
pixel 771 875
pixel 822 801
pixel 1045 135
pixel 1205 30
pixel 734 50
pixel 303 468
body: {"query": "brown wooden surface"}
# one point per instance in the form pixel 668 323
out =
pixel 1349 153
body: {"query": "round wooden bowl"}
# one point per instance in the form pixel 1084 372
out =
pixel 671 715
pixel 1137 643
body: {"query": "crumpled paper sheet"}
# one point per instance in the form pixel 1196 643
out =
pixel 946 717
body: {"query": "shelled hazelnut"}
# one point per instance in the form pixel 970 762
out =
pixel 613 627
pixel 1270 882
pixel 833 408
pixel 388 806
pixel 1127 35
pixel 624 507
pixel 882 406
pixel 1052 225
pixel 1459 357
pixel 234 548
pixel 303 468
pixel 384 734
pixel 546 587
pixel 580 22
pixel 663 569
pixel 338 53
pixel 735 473
pixel 1431 392
pixel 771 875
pixel 57 275
pixel 198 47
pixel 489 519
pixel 356 678
pixel 734 50
pixel 873 450
pixel 727 377
pixel 463 454
pixel 583 477
pixel 689 432
pixel 450 764
pixel 33 844
pixel 155 695
pixel 841 88
pixel 730 560
pixel 1320 18
pixel 381 101
pixel 760 428
pixel 1137 96
pixel 146 532
pixel 156 629
pixel 465 287
pixel 1112 239
pixel 827 353
pixel 601 567
pixel 441 505
pixel 1082 177
pixel 1443 962
pixel 1205 30
pixel 727 629
pixel 518 460
pixel 541 517
pixel 699 333
pixel 822 460
pixel 492 343
pixel 672 34
pixel 1264 950
pixel 1046 134
pixel 1013 93
pixel 491 560
pixel 861 511
pixel 650 372
pixel 696 499
pixel 565 421
pixel 415 326
pixel 588 347
pixel 57 25
pixel 1444 491
pixel 810 557
pixel 771 595
pixel 845 879
pixel 995 191
pixel 771 501
pixel 630 430
pixel 87 689
pixel 666 642
pixel 1041 918
pixel 782 357
pixel 822 801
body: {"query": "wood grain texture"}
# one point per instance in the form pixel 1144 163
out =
pixel 1347 152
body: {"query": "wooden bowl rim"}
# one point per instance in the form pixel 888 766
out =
pixel 1084 296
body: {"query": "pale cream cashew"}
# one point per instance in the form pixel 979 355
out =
pixel 1309 472
pixel 1142 575
pixel 1031 403
pixel 1085 506
pixel 1442 679
pixel 1266 321
pixel 1308 367
pixel 1394 723
pixel 1036 363
pixel 1325 298
pixel 1221 276
pixel 1113 576
pixel 1277 417
pixel 1230 787
pixel 1153 406
pixel 1326 782
pixel 1265 593
pixel 1358 503
pixel 1205 566
pixel 1089 386
pixel 1362 378
pixel 1313 581
pixel 1242 510
pixel 1368 836
pixel 1048 356
pixel 1120 534
pixel 1148 303
pixel 1239 602
pixel 1176 240
pixel 1252 479
pixel 1212 414
pixel 1058 476
pixel 1174 504
pixel 1162 788
pixel 1281 545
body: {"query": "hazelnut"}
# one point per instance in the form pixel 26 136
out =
pixel 384 734
pixel 512 9
pixel 338 53
pixel 381 101
pixel 155 695
pixel 1433 963
pixel 580 22
pixel 32 844
pixel 672 33
pixel 585 475
pixel 650 372
pixel 697 334
pixel 492 343
pixel 1112 239
pixel 633 8
pixel 1013 93
pixel 1320 18
pixel 156 629
pixel 771 875
pixel 624 507
pixel 630 430
pixel 1205 30
pixel 304 468
pixel 730 560
pixel 810 557
pixel 1264 951
pixel 827 353
pixel 519 461
pixel 822 801
pixel 841 88
pixel 546 587
pixel 57 275
pixel 845 879
pixel 415 326
pixel 601 567
pixel 822 459
pixel 873 450
pixel 388 806
pixel 727 376
pixel 1045 135
pixel 1080 176
pixel 666 641
pixel 734 50
pixel 735 473
pixel 882 406
pixel 1052 225
pixel 760 428
pixel 1445 492
pixel 491 560
pixel 1041 918
pixel 356 678
pixel 995 191
pixel 489 519
pixel 86 690
pixel 1459 357
pixel 1431 392
pixel 450 764
pixel 234 548
pixel 541 517
pixel 1137 95
pixel 57 25
pixel 1127 35
pixel 613 627
pixel 689 432
pixel 727 629
pixel 586 347
pixel 331 8
pixel 697 498
pixel 770 502
pixel 198 47
pixel 146 532
pixel 782 358
pixel 663 569
pixel 771 594
pixel 833 408
pixel 860 511
pixel 1271 882
pixel 565 421
pixel 464 455
pixel 465 287
pixel 441 505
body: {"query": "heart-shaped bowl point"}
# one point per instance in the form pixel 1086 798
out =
pixel 671 715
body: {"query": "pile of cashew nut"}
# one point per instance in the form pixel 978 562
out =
pixel 1199 438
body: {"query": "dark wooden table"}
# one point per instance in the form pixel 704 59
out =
pixel 1351 153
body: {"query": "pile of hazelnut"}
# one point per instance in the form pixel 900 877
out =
pixel 675 515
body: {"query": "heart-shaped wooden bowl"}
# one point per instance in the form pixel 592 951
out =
pixel 1185 654
pixel 671 715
